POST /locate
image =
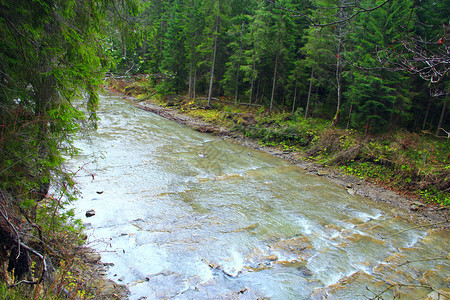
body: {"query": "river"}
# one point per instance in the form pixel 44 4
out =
pixel 186 215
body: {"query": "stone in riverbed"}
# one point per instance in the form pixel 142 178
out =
pixel 92 257
pixel 272 257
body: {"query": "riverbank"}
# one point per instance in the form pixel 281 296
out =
pixel 403 206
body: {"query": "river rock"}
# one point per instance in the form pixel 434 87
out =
pixel 351 191
pixel 92 257
pixel 90 213
pixel 272 257
pixel 414 207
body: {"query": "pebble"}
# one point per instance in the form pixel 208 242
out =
pixel 272 257
pixel 414 207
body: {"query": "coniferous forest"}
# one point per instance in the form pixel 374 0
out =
pixel 369 78
pixel 377 65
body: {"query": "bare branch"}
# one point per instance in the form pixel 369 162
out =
pixel 358 10
pixel 22 245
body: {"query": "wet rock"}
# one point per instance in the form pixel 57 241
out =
pixel 414 207
pixel 272 257
pixel 90 213
pixel 111 290
pixel 87 225
pixel 108 264
pixel 306 272
pixel 351 191
pixel 433 296
pixel 92 257
pixel 297 247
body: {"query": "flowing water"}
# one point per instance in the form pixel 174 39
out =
pixel 188 215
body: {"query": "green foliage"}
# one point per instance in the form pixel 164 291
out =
pixel 51 55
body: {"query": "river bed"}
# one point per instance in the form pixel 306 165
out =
pixel 186 215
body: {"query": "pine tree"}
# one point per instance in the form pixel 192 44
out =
pixel 378 96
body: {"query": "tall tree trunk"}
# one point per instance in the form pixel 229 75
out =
pixel 194 90
pixel 426 115
pixel 309 92
pixel 124 47
pixel 190 80
pixel 274 80
pixel 338 87
pixel 342 15
pixel 213 61
pixel 349 115
pixel 239 65
pixel 295 96
pixel 441 119
pixel 253 83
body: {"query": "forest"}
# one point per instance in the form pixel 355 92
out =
pixel 368 66
pixel 377 65
pixel 361 86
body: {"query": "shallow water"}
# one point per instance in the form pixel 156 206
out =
pixel 188 215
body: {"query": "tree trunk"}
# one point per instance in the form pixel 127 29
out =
pixel 338 88
pixel 295 96
pixel 190 81
pixel 194 90
pixel 426 115
pixel 441 119
pixel 213 62
pixel 253 83
pixel 349 116
pixel 274 81
pixel 309 92
pixel 339 70
pixel 239 65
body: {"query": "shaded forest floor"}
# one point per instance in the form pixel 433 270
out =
pixel 409 171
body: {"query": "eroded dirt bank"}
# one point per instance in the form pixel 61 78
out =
pixel 402 206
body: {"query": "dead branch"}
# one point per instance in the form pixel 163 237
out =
pixel 359 10
pixel 21 245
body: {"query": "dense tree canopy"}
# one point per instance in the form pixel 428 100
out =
pixel 51 53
